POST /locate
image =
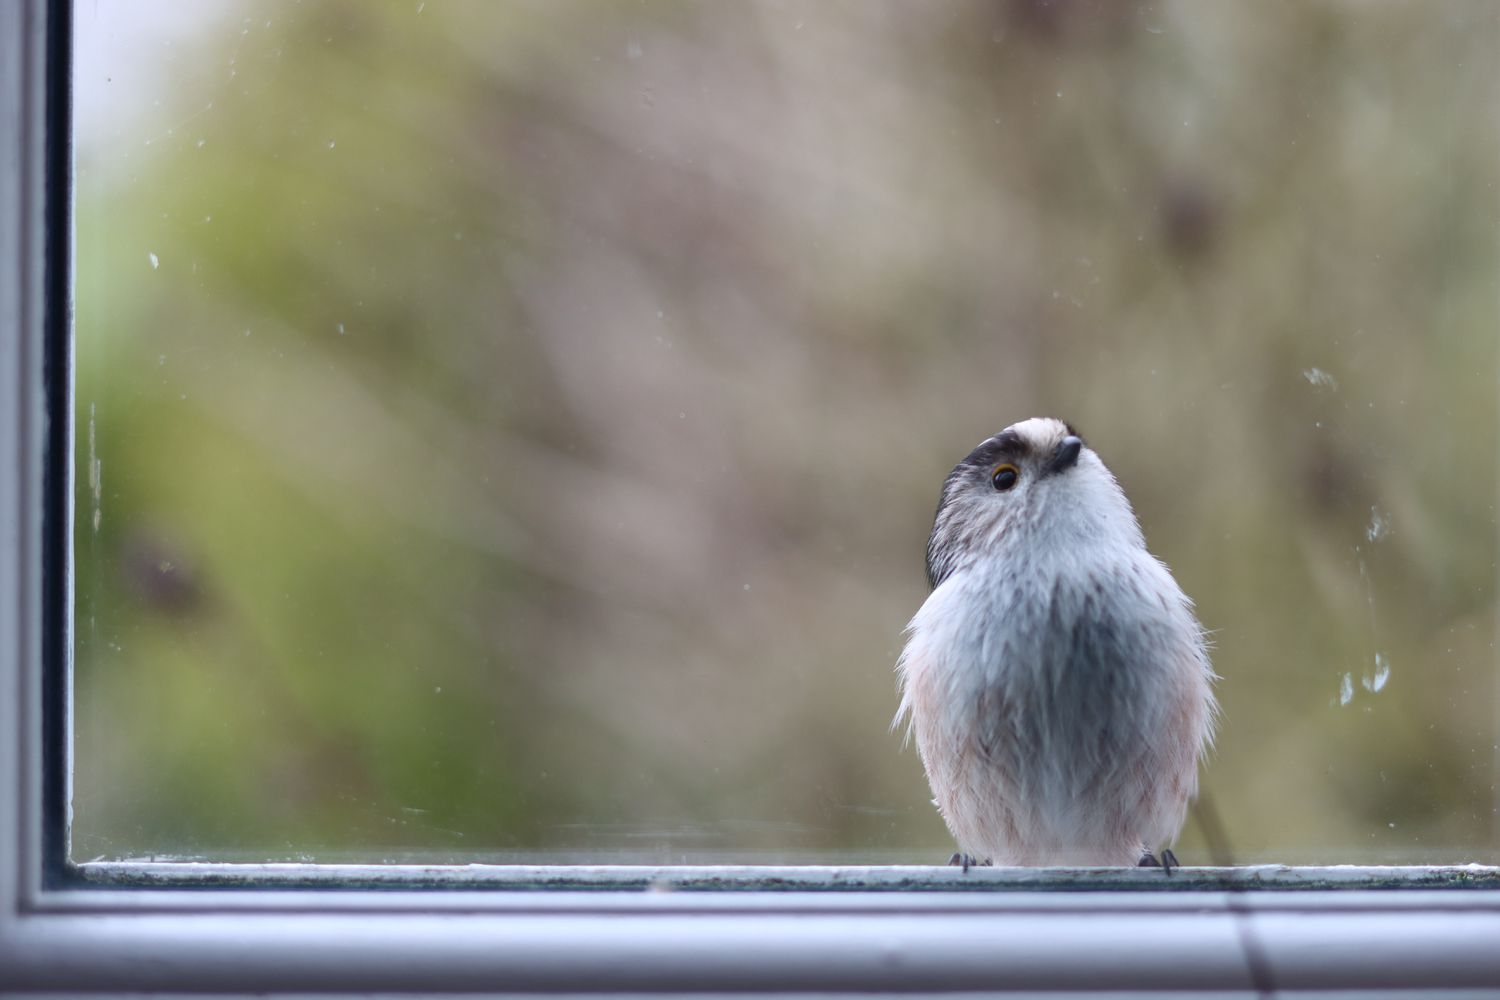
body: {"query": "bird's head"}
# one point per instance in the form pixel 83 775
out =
pixel 1032 491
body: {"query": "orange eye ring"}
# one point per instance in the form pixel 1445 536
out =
pixel 1006 476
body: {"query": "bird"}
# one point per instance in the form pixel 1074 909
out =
pixel 1056 679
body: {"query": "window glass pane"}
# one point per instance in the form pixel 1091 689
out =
pixel 510 431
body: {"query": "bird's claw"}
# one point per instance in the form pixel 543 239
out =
pixel 967 861
pixel 1167 863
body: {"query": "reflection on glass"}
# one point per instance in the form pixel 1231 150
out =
pixel 510 431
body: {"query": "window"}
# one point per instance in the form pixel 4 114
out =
pixel 178 506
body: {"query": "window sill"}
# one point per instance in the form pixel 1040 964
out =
pixel 780 878
pixel 845 929
pixel 173 927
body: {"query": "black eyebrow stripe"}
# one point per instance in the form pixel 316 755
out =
pixel 1010 441
pixel 1006 444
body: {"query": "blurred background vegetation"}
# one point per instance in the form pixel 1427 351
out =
pixel 509 431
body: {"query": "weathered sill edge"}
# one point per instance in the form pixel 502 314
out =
pixel 762 878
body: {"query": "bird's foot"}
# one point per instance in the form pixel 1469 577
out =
pixel 967 860
pixel 1167 863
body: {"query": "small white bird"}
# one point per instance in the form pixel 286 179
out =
pixel 1056 680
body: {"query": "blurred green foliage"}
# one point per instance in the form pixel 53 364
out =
pixel 510 430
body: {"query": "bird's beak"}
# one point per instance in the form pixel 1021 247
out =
pixel 1066 455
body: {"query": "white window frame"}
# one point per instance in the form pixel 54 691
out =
pixel 307 928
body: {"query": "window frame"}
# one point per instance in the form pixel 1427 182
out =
pixel 235 928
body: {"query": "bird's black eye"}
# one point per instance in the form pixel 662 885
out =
pixel 1006 477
